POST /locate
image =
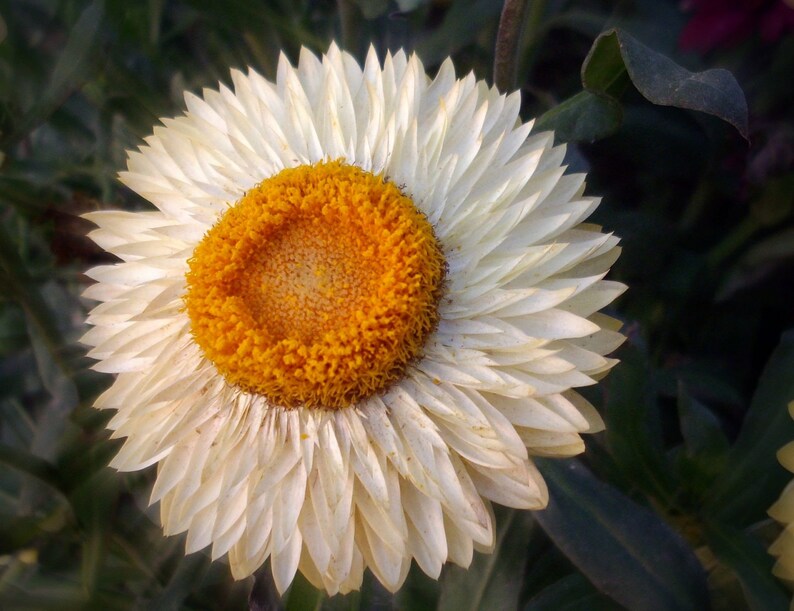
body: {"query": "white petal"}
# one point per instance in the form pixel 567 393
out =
pixel 284 562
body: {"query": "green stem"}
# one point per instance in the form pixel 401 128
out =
pixel 349 21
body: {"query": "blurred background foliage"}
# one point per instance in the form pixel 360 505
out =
pixel 666 510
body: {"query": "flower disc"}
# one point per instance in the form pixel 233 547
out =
pixel 317 288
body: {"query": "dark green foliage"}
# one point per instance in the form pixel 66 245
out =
pixel 571 593
pixel 667 509
pixel 744 490
pixel 494 581
pixel 625 549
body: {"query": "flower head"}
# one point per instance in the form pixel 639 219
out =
pixel 357 312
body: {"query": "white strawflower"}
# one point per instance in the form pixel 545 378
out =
pixel 356 314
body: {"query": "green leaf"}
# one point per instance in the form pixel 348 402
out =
pixel 571 593
pixel 372 9
pixel 12 333
pixel 493 581
pixel 585 117
pixel 703 435
pixel 753 478
pixel 701 378
pixel 19 532
pixel 774 205
pixel 407 6
pixel 418 592
pixel 357 600
pixel 48 345
pixel 30 464
pixel 54 371
pixel 19 286
pixel 44 593
pixel 705 444
pixel 462 23
pixel 302 596
pixel 155 14
pixel 74 61
pixel 73 67
pixel 633 431
pixel 615 55
pixel 189 573
pixel 758 262
pixel 604 70
pixel 752 565
pixel 94 503
pixel 624 549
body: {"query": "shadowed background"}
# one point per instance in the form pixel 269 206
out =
pixel 667 508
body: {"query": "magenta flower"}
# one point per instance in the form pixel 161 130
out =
pixel 726 23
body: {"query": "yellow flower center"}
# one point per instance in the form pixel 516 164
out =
pixel 317 288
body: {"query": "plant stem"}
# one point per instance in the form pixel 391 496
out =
pixel 507 37
pixel 349 19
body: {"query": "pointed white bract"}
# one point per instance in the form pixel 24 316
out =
pixel 408 474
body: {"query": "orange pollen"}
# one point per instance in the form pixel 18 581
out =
pixel 317 288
